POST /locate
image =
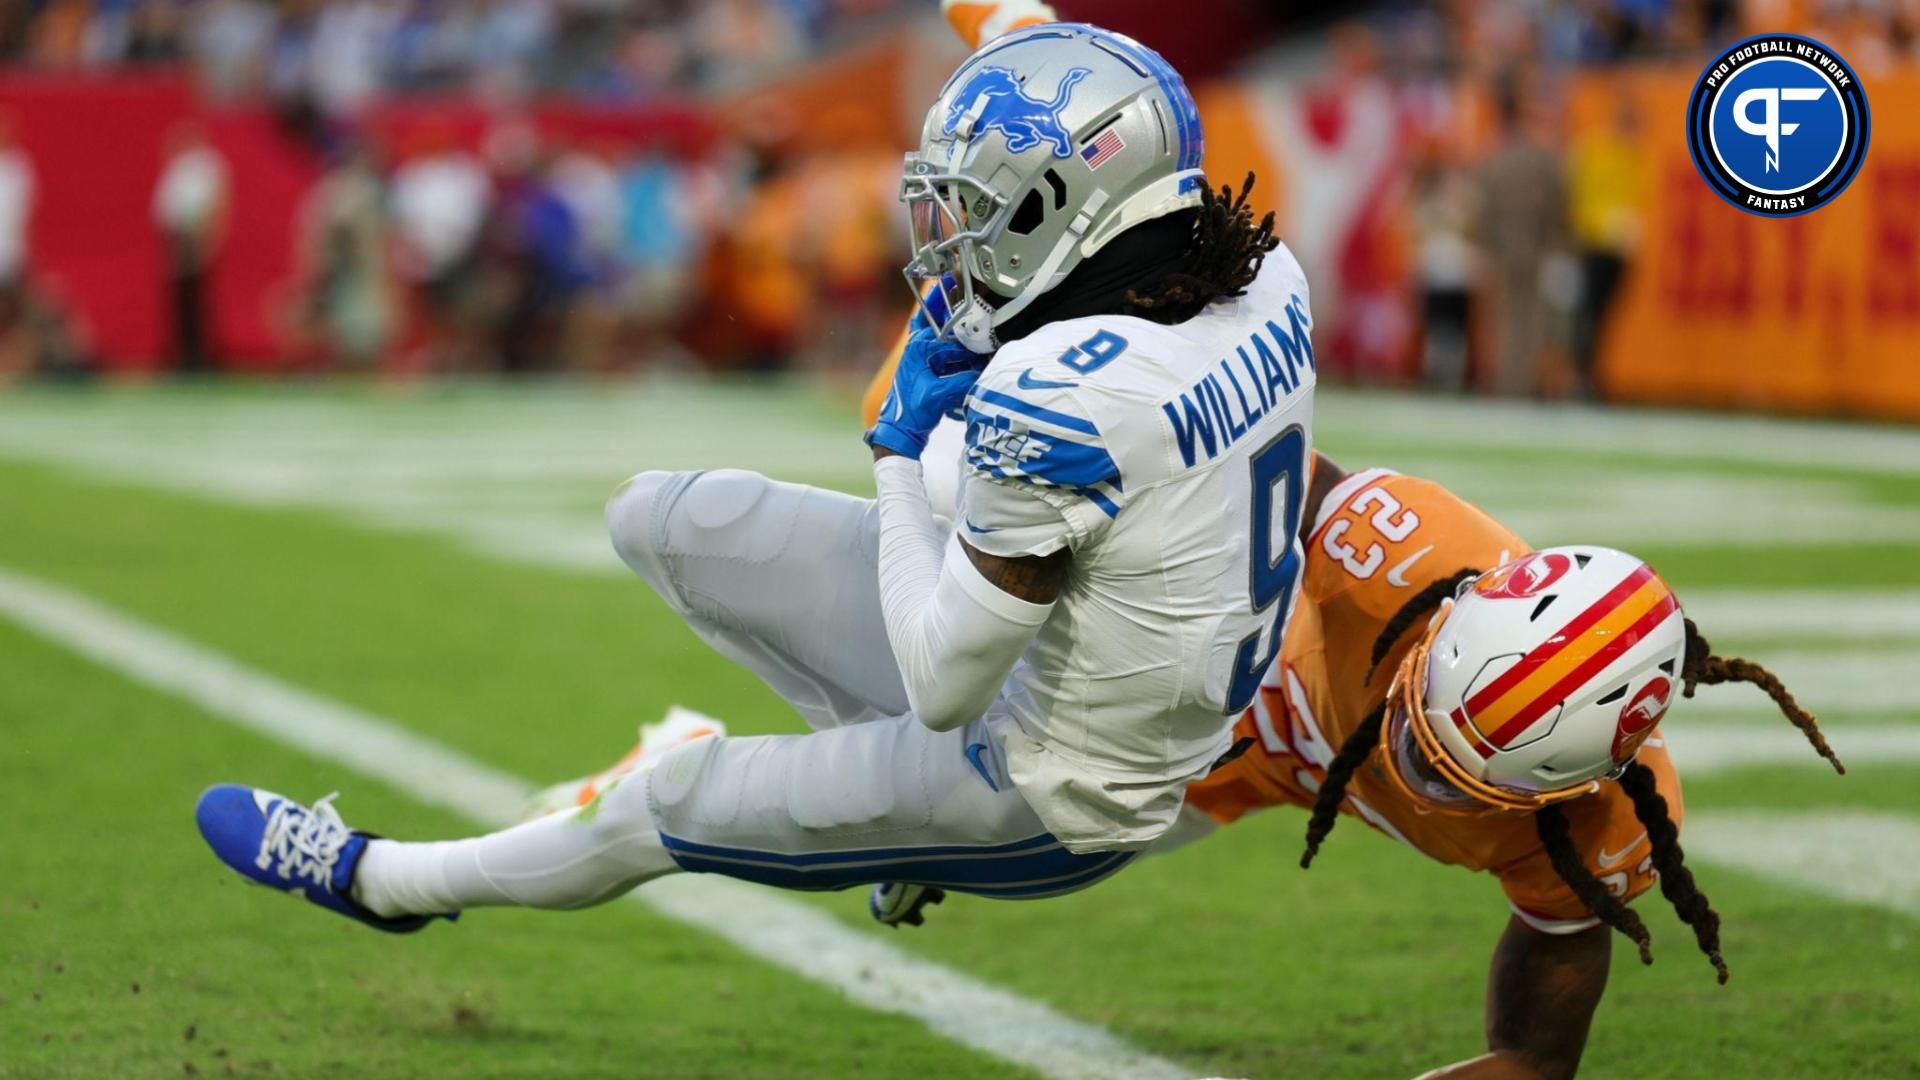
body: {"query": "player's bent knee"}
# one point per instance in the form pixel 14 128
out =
pixel 675 513
pixel 636 519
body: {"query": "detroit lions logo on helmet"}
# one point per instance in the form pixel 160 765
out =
pixel 1001 102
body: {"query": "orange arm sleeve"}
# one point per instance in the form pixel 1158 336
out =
pixel 882 381
pixel 980 22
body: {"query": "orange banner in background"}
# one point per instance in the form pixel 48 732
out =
pixel 1817 314
pixel 1718 308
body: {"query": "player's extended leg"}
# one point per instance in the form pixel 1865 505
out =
pixel 571 859
pixel 883 801
pixel 889 800
pixel 781 578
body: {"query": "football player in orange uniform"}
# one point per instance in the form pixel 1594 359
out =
pixel 1495 708
pixel 1490 706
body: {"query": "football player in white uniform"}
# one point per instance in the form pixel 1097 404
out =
pixel 1012 704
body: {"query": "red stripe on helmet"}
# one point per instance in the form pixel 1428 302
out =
pixel 1588 668
pixel 1565 636
pixel 1474 738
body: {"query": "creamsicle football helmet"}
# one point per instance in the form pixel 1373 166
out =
pixel 1541 678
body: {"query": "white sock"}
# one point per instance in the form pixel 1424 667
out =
pixel 573 859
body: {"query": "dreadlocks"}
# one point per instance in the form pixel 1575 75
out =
pixel 1700 666
pixel 1326 802
pixel 1676 881
pixel 1222 258
pixel 1556 835
pixel 1360 744
pixel 1420 605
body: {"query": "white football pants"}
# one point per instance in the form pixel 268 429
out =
pixel 781 579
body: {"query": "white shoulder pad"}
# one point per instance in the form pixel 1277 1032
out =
pixel 1281 278
pixel 1027 426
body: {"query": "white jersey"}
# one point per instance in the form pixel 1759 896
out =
pixel 1172 460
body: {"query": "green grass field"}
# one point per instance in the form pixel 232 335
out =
pixel 435 560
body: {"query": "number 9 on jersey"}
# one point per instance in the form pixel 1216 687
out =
pixel 1279 472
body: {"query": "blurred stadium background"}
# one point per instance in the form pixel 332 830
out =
pixel 1489 196
pixel 260 258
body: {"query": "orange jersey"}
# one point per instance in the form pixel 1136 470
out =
pixel 1380 538
pixel 980 21
pixel 881 383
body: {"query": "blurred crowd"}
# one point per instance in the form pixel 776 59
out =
pixel 1496 244
pixel 528 255
pixel 1469 36
pixel 1520 230
pixel 340 54
pixel 526 252
pixel 519 257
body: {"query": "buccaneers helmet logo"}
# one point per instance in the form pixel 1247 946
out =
pixel 1527 577
pixel 1638 717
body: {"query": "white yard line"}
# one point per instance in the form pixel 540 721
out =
pixel 463 465
pixel 1705 749
pixel 1857 855
pixel 1836 684
pixel 1418 420
pixel 793 936
pixel 1424 419
pixel 1807 614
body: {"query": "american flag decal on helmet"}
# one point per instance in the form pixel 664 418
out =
pixel 1103 146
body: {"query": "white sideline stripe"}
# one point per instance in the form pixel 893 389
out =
pixel 793 936
pixel 1857 855
pixel 1833 684
pixel 1851 614
pixel 1420 419
pixel 1701 750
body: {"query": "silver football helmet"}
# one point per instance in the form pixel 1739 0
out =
pixel 1045 145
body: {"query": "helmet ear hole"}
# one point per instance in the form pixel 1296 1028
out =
pixel 1059 189
pixel 1028 216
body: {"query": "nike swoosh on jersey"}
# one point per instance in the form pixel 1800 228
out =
pixel 973 754
pixel 1609 859
pixel 1028 382
pixel 1398 575
pixel 972 528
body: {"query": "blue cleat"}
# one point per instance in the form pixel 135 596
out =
pixel 273 841
pixel 897 904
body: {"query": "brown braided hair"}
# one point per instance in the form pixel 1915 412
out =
pixel 1417 607
pixel 1676 881
pixel 1333 790
pixel 1699 666
pixel 1702 667
pixel 1556 835
pixel 1222 259
pixel 1359 745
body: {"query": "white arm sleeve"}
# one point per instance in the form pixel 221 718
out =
pixel 955 634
